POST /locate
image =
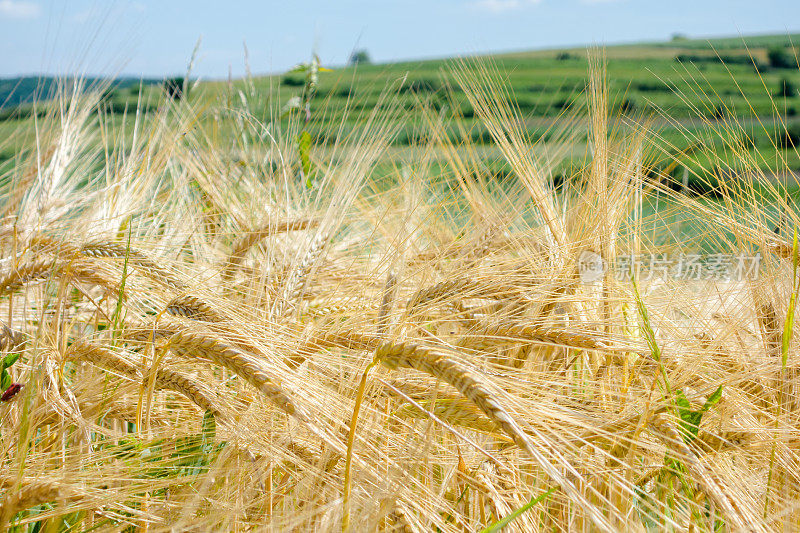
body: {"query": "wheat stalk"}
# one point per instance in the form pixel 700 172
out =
pixel 473 387
pixel 30 493
pixel 136 258
pixel 189 387
pixel 296 281
pixel 194 308
pixel 165 379
pixel 101 356
pixel 551 335
pixel 446 290
pixel 11 340
pixel 246 366
pixel 267 230
pixel 21 275
pixel 349 340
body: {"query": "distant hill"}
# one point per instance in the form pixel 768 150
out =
pixel 23 90
pixel 753 81
pixel 725 43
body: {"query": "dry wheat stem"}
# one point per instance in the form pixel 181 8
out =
pixel 446 290
pixel 472 386
pixel 267 230
pixel 101 356
pixel 296 281
pixel 11 340
pixel 246 366
pixel 555 336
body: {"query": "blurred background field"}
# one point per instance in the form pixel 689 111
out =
pixel 682 91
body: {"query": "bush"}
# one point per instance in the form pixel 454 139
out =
pixel 779 57
pixel 107 95
pixel 174 87
pixel 651 86
pixel 360 57
pixel 119 107
pixel 467 111
pixel 343 92
pixel 20 112
pixel 561 104
pixel 564 56
pixel 293 81
pixel 790 137
pixel 481 136
pixel 742 59
pixel 786 88
pixel 628 105
pixel 719 112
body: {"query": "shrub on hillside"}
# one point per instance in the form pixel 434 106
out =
pixel 627 106
pixel 786 88
pixel 790 137
pixel 293 81
pixel 779 57
pixel 174 87
pixel 360 57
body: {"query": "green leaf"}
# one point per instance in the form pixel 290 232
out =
pixel 10 359
pixel 690 420
pixel 691 424
pixel 683 404
pixel 5 380
pixel 503 522
pixel 304 147
pixel 299 68
pixel 788 325
pixel 713 400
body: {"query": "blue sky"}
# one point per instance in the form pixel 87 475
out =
pixel 155 38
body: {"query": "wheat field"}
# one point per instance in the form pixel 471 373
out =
pixel 215 331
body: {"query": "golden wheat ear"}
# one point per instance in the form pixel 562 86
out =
pixel 194 308
pixel 473 387
pixel 16 278
pixel 21 495
pixel 267 230
pixel 137 258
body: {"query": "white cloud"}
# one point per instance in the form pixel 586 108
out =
pixel 501 6
pixel 19 9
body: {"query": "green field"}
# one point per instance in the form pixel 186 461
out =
pixel 701 85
